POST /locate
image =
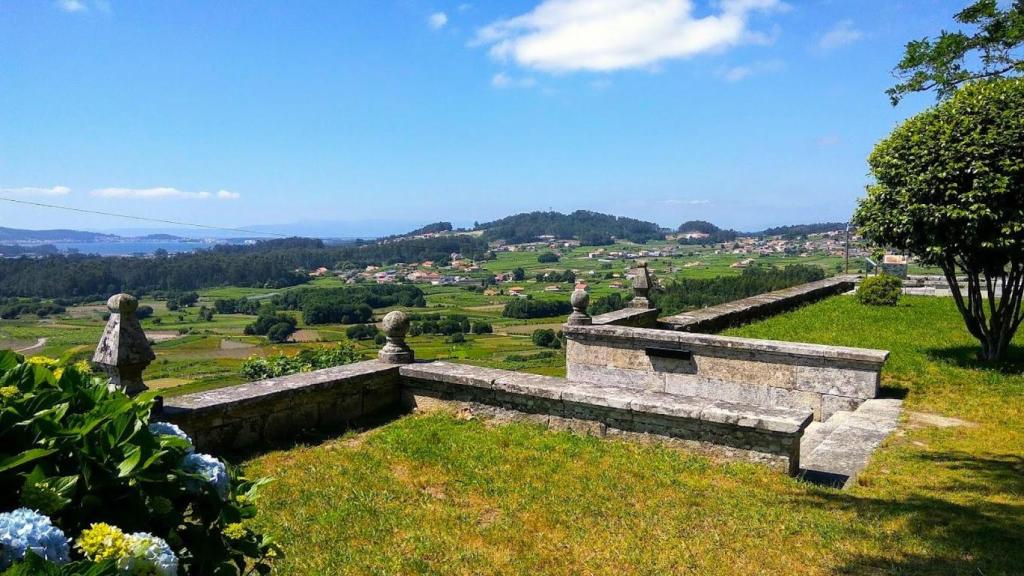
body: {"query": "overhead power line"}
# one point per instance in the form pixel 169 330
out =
pixel 141 218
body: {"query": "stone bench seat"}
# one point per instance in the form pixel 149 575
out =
pixel 763 433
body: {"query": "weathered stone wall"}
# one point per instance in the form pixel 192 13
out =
pixel 770 436
pixel 636 317
pixel 717 318
pixel 824 379
pixel 268 412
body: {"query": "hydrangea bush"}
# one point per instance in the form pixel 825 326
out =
pixel 89 486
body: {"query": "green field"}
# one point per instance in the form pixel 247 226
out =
pixel 430 494
pixel 193 354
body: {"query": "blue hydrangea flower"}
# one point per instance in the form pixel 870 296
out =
pixel 23 530
pixel 168 429
pixel 210 468
pixel 148 554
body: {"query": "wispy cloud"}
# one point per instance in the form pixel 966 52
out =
pixel 162 193
pixel 503 80
pixel 843 33
pixel 36 191
pixel 437 20
pixel 72 5
pixel 679 202
pixel 569 35
pixel 738 73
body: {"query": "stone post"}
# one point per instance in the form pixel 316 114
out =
pixel 124 350
pixel 580 299
pixel 641 287
pixel 396 351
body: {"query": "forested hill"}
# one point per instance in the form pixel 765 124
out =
pixel 271 264
pixel 17 235
pixel 804 229
pixel 590 228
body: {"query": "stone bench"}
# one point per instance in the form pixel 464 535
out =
pixel 735 430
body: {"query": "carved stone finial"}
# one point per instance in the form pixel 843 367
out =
pixel 396 351
pixel 124 350
pixel 580 299
pixel 641 287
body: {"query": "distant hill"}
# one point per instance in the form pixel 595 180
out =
pixel 803 229
pixel 16 235
pixel 590 228
pixel 10 250
pixel 431 229
pixel 703 232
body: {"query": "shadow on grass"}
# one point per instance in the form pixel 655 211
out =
pixel 979 537
pixel 967 357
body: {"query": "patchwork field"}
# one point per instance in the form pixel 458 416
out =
pixel 440 494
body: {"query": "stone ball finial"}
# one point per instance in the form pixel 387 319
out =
pixel 395 324
pixel 123 304
pixel 580 299
pixel 396 351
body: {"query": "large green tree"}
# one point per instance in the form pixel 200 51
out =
pixel 949 188
pixel 991 47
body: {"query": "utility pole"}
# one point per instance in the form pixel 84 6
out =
pixel 847 247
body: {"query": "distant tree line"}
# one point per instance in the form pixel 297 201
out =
pixel 524 308
pixel 715 235
pixel 267 264
pixel 590 228
pixel 556 276
pixel 692 293
pixel 803 229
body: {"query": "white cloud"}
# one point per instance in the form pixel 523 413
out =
pixel 503 80
pixel 601 35
pixel 72 5
pixel 843 33
pixel 163 193
pixel 437 20
pixel 36 191
pixel 677 202
pixel 737 73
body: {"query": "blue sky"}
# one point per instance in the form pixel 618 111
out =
pixel 748 113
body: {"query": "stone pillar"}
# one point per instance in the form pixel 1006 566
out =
pixel 396 351
pixel 580 299
pixel 641 287
pixel 124 350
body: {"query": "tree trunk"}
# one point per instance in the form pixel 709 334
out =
pixel 993 321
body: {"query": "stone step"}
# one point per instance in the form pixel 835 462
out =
pixel 846 449
pixel 817 432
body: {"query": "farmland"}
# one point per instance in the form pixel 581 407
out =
pixel 196 354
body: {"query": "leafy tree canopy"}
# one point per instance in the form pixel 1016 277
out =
pixel 950 190
pixel 992 49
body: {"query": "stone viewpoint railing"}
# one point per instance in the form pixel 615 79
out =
pixel 730 397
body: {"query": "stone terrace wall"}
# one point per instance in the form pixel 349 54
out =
pixel 825 379
pixel 716 318
pixel 769 436
pixel 263 413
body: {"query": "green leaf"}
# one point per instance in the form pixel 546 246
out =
pixel 131 462
pixel 25 457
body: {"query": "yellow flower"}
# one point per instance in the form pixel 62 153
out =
pixel 58 373
pixel 43 361
pixel 235 531
pixel 8 392
pixel 101 541
pixel 83 366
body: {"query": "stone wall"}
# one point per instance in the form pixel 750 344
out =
pixel 717 318
pixel 636 317
pixel 769 436
pixel 824 379
pixel 268 412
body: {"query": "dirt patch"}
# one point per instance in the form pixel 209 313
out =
pixel 14 344
pixel 160 383
pixel 306 336
pixel 162 336
pixel 926 420
pixel 226 344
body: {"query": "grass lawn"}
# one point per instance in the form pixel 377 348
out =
pixel 434 494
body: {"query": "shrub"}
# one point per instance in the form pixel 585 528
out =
pixel 106 490
pixel 361 332
pixel 456 338
pixel 380 339
pixel 261 368
pixel 547 257
pixel 883 290
pixel 546 338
